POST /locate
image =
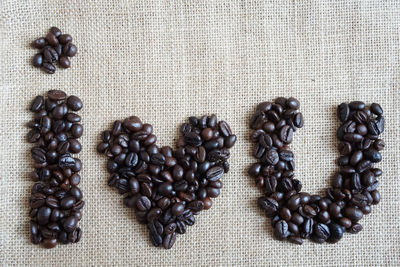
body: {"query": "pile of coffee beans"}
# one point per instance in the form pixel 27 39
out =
pixel 298 215
pixel 167 188
pixel 56 201
pixel 55 47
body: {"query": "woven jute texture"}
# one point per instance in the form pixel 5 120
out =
pixel 166 60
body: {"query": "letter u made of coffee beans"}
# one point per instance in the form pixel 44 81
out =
pixel 297 215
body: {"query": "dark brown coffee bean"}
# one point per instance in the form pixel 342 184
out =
pixel 49 242
pixel 52 39
pixel 269 205
pixel 169 240
pixel 48 68
pixel 343 112
pixel 355 228
pixel 214 173
pixel 56 31
pixel 70 49
pixel 286 134
pixel 37 60
pixel 65 38
pixel 39 43
pixel 353 214
pixel 64 62
pixel 281 230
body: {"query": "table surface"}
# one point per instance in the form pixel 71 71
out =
pixel 164 61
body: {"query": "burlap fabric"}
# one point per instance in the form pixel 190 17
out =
pixel 166 60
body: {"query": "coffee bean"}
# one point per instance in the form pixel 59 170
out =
pixel 214 173
pixel 39 43
pixel 270 206
pixel 51 39
pixel 353 214
pixel 357 105
pixel 56 31
pixel 43 215
pixel 355 228
pixel 286 134
pixel 69 49
pixel 69 224
pixel 48 68
pixel 343 112
pixel 37 103
pixel 294 202
pixel 50 54
pixel 49 242
pixel 64 62
pixel 65 38
pixel 372 155
pixel 37 60
pixel 281 230
pixel 321 231
pixel 224 128
pixel 169 240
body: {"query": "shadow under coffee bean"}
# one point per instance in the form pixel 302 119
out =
pixel 298 215
pixel 56 201
pixel 167 187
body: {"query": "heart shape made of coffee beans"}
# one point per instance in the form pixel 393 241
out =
pixel 298 215
pixel 167 187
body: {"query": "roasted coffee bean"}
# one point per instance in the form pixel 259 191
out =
pixel 48 68
pixel 70 49
pixel 353 214
pixel 65 38
pixel 50 54
pixel 169 240
pixel 215 173
pixel 321 231
pixel 270 206
pixel 39 43
pixel 286 134
pixel 355 228
pixel 281 230
pixel 37 60
pixel 372 155
pixel 64 62
pixel 52 39
pixel 376 109
pixel 343 112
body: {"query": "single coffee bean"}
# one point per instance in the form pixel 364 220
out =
pixel 281 229
pixel 52 39
pixel 69 50
pixel 48 68
pixel 56 31
pixel 65 38
pixel 64 62
pixel 37 60
pixel 343 112
pixel 50 54
pixel 39 43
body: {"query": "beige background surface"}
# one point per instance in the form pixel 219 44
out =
pixel 166 60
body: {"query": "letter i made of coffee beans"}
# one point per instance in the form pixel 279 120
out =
pixel 56 200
